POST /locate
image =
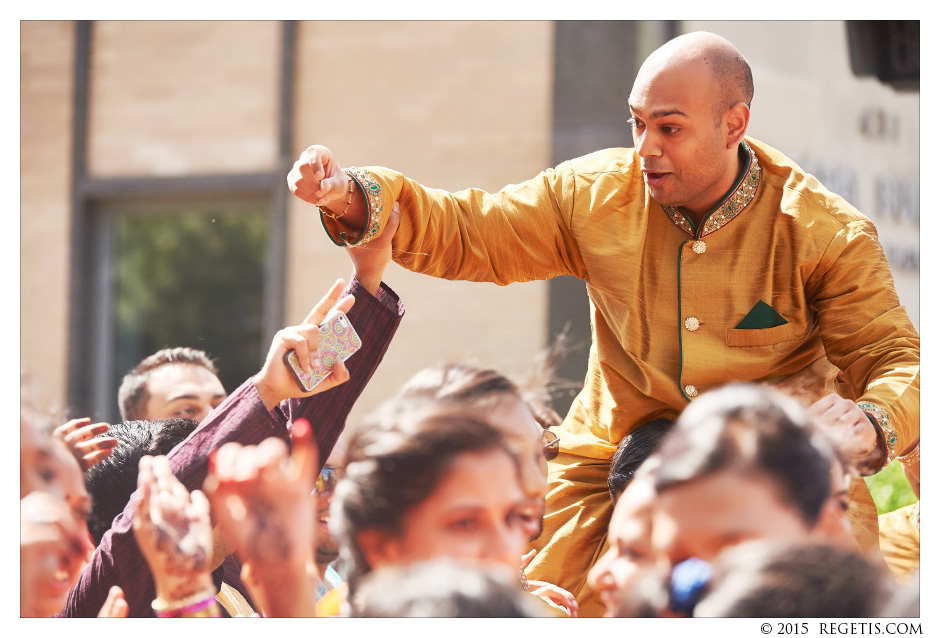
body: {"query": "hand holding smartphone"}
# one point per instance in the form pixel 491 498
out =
pixel 338 341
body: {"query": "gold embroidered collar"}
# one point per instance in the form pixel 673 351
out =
pixel 736 201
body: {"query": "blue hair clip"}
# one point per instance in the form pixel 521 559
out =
pixel 687 584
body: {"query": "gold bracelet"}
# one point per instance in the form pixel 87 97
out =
pixel 349 196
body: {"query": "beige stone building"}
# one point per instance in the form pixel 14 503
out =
pixel 154 208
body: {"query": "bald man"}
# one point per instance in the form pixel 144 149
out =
pixel 708 256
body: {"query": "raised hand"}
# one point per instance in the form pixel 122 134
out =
pixel 261 497
pixel 80 436
pixel 173 532
pixel 275 382
pixel 317 178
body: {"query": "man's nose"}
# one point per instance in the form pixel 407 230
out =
pixel 647 145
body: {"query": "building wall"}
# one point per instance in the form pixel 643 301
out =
pixel 190 98
pixel 183 98
pixel 46 51
pixel 859 137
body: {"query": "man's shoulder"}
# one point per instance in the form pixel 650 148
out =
pixel 802 195
pixel 608 160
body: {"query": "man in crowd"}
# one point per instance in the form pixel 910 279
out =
pixel 742 463
pixel 709 257
pixel 263 406
pixel 174 382
pixel 327 549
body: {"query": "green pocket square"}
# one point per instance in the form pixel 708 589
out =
pixel 761 316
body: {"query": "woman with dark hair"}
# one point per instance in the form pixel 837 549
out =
pixel 428 481
pixel 521 416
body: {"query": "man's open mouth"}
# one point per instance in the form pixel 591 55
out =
pixel 653 178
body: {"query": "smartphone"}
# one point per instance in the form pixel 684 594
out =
pixel 338 341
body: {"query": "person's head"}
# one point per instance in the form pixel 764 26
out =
pixel 327 548
pixel 175 382
pixel 53 548
pixel 426 482
pixel 632 451
pixel 690 107
pixel 742 463
pixel 775 580
pixel 522 420
pixel 112 481
pixel 46 464
pixel 53 507
pixel 620 571
pixel 442 589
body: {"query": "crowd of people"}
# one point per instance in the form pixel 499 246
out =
pixel 717 477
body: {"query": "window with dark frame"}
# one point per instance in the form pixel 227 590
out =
pixel 182 273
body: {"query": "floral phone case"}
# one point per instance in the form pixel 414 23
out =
pixel 338 341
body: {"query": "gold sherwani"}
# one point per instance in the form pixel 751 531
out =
pixel 781 273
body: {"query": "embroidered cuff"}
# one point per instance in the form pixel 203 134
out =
pixel 372 193
pixel 885 430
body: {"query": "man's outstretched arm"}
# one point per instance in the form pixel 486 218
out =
pixel 521 233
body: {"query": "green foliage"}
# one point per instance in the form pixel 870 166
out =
pixel 890 489
pixel 190 276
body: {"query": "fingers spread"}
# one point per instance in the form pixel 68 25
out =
pixel 94 458
pixel 106 443
pixel 66 428
pixel 86 432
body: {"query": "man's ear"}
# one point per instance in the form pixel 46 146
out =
pixel 378 548
pixel 737 118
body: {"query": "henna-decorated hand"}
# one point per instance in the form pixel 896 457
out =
pixel 173 531
pixel 261 497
